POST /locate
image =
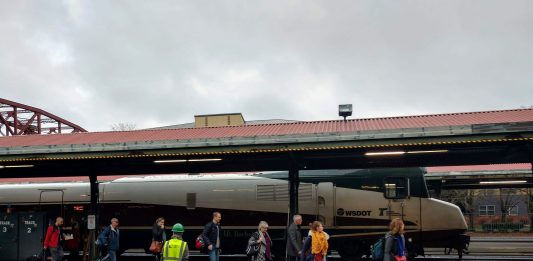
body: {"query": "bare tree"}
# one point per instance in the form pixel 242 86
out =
pixel 529 193
pixel 509 199
pixel 468 200
pixel 123 126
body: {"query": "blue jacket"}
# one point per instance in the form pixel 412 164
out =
pixel 109 238
pixel 392 246
pixel 306 249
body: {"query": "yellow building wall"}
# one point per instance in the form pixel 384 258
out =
pixel 218 120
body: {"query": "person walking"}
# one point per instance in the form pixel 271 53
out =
pixel 316 245
pixel 395 241
pixel 53 240
pixel 294 238
pixel 110 238
pixel 261 238
pixel 159 235
pixel 176 249
pixel 74 243
pixel 211 235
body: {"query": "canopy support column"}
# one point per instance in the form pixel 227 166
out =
pixel 294 183
pixel 93 179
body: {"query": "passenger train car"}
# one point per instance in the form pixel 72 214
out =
pixel 354 205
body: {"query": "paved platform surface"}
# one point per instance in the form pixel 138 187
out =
pixel 482 247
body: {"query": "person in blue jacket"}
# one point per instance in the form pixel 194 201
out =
pixel 395 241
pixel 109 238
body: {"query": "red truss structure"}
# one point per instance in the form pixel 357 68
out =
pixel 20 119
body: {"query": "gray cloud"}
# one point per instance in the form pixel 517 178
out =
pixel 158 63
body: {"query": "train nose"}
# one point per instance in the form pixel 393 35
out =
pixel 444 211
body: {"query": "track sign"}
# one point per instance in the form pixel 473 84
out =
pixel 8 236
pixel 91 222
pixel 31 234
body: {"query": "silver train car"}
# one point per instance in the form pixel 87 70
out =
pixel 354 205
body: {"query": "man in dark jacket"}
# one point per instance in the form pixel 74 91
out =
pixel 110 238
pixel 294 238
pixel 211 236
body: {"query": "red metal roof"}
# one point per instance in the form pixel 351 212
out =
pixel 421 121
pixel 492 167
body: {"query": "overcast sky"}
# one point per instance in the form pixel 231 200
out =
pixel 155 63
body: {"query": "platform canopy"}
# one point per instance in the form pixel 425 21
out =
pixel 518 175
pixel 426 140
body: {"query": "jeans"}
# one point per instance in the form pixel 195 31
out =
pixel 57 253
pixel 294 258
pixel 213 254
pixel 112 255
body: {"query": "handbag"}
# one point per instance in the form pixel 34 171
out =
pixel 400 258
pixel 252 250
pixel 155 247
pixel 200 242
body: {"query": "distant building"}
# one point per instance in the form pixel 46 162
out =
pixel 221 120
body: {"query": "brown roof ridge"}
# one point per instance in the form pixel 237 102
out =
pixel 280 124
pixel 406 116
pixel 467 113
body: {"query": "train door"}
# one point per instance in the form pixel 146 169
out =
pixel 326 203
pixel 9 236
pixel 31 234
pixel 402 205
pixel 54 199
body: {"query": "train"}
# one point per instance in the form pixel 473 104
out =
pixel 355 206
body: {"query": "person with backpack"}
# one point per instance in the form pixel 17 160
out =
pixel 395 242
pixel 110 239
pixel 54 240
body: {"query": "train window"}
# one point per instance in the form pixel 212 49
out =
pixel 396 187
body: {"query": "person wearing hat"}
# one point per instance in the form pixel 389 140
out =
pixel 176 249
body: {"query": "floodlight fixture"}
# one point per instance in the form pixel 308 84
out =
pixel 198 160
pixel 385 153
pixel 426 151
pixel 503 182
pixel 184 160
pixel 170 161
pixel 15 166
pixel 345 110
